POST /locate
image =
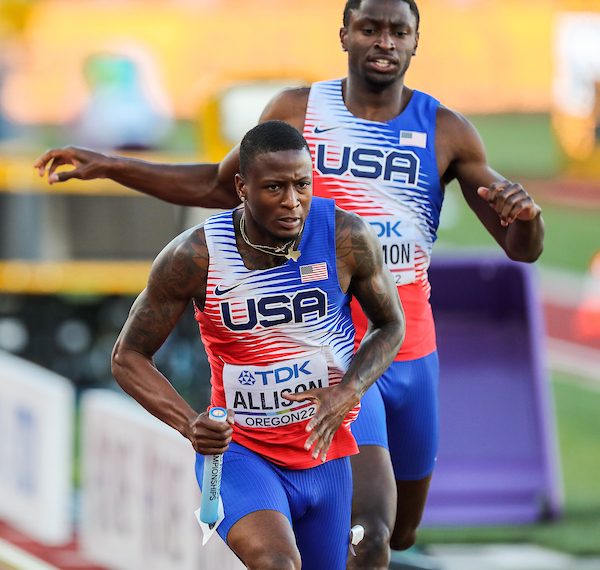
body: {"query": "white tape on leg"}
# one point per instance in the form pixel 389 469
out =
pixel 357 533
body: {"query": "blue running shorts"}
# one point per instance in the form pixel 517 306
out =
pixel 400 412
pixel 316 501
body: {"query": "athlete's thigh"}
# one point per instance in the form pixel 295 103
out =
pixel 322 530
pixel 410 394
pixel 374 494
pixel 249 484
pixel 264 538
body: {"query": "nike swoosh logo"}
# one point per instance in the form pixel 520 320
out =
pixel 319 130
pixel 219 292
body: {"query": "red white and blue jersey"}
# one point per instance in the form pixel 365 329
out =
pixel 268 332
pixel 386 173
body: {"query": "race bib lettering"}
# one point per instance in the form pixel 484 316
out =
pixel 256 393
pixel 397 245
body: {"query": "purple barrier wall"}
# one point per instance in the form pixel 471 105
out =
pixel 497 462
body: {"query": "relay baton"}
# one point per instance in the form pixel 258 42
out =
pixel 211 477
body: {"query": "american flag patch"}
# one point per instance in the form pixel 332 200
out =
pixel 314 272
pixel 413 138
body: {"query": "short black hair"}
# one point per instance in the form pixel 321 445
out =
pixel 271 136
pixel 355 5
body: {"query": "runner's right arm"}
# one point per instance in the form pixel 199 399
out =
pixel 209 185
pixel 178 274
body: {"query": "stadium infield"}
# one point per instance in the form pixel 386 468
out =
pixel 577 531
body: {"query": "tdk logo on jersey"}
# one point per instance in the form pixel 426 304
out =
pixel 393 165
pixel 276 375
pixel 386 228
pixel 273 310
pixel 246 378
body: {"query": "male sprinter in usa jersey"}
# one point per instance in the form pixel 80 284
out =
pixel 386 152
pixel 271 283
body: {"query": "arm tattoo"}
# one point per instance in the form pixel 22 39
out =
pixel 178 274
pixel 361 252
pixel 373 285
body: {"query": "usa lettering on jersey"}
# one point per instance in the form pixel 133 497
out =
pixel 272 310
pixel 364 162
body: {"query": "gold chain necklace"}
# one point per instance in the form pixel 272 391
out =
pixel 286 250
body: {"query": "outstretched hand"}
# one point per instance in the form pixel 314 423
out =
pixel 88 164
pixel 333 404
pixel 209 437
pixel 510 201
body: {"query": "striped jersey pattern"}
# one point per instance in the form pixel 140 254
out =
pixel 271 331
pixel 387 173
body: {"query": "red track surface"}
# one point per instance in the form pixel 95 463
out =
pixel 65 557
pixel 562 323
pixel 565 191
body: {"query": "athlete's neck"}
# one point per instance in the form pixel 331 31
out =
pixel 262 252
pixel 367 102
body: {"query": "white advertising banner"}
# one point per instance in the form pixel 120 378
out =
pixel 139 492
pixel 36 450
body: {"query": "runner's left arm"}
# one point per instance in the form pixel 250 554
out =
pixel 373 286
pixel 361 268
pixel 505 208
